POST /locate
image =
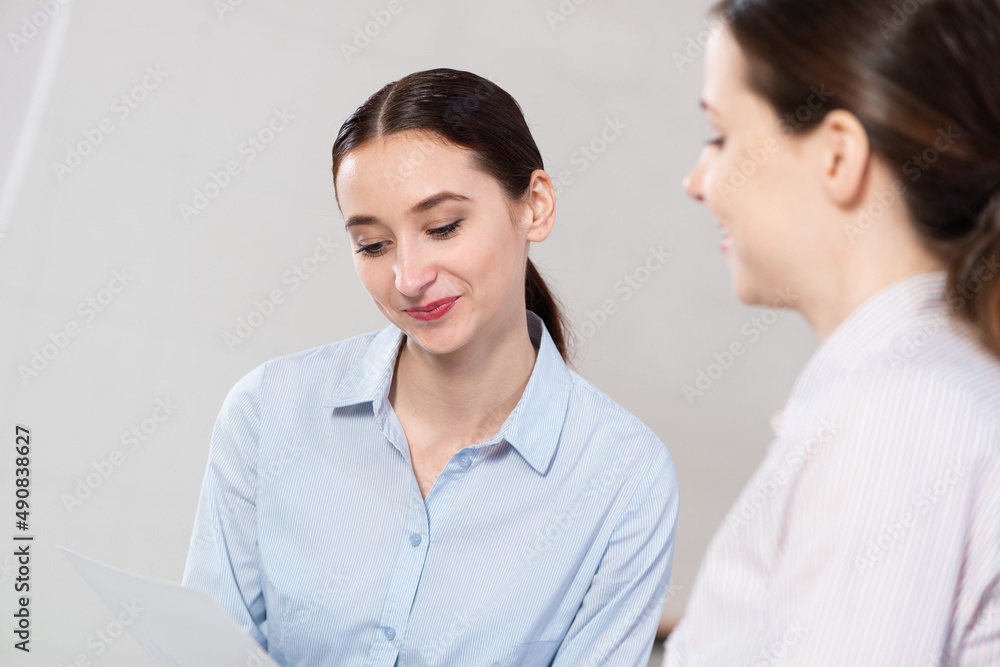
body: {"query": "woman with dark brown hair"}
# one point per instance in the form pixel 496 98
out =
pixel 445 491
pixel 857 169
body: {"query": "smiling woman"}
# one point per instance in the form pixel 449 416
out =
pixel 857 167
pixel 445 490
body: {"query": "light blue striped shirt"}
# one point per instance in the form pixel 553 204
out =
pixel 550 543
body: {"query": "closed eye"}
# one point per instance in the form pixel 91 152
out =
pixel 372 249
pixel 378 249
pixel 446 231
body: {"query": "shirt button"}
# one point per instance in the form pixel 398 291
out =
pixel 415 539
pixel 389 633
pixel 465 462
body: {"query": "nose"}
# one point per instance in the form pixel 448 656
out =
pixel 693 181
pixel 415 269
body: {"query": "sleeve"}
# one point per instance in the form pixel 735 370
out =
pixel 891 564
pixel 617 620
pixel 223 558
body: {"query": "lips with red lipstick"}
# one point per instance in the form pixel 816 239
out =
pixel 432 310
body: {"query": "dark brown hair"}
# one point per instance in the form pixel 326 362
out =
pixel 472 112
pixel 923 77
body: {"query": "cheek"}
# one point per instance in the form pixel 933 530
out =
pixel 374 275
pixel 716 189
pixel 741 182
pixel 477 264
pixel 492 255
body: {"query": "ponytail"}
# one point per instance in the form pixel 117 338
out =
pixel 899 79
pixel 539 300
pixel 974 277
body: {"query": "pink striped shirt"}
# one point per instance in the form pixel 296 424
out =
pixel 870 534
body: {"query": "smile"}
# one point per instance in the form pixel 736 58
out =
pixel 433 310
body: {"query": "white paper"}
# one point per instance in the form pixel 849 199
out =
pixel 179 627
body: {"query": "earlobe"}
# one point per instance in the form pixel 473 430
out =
pixel 542 204
pixel 847 153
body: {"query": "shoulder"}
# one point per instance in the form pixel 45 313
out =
pixel 948 364
pixel 316 371
pixel 932 385
pixel 598 422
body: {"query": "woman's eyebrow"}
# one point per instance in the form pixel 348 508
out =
pixel 434 200
pixel 360 220
pixel 420 207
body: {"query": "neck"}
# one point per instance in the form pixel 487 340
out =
pixel 467 393
pixel 859 273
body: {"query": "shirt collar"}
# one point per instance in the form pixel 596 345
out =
pixel 532 428
pixel 873 327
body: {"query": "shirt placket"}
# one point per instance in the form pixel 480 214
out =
pixel 416 540
pixel 409 565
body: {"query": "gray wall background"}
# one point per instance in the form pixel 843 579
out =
pixel 161 337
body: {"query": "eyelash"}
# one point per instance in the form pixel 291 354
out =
pixel 717 142
pixel 378 249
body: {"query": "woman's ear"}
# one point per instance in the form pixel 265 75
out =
pixel 845 156
pixel 541 205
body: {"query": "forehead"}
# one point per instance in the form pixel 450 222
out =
pixel 725 68
pixel 726 89
pixel 394 172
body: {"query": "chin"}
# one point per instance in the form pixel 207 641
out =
pixel 745 289
pixel 435 339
